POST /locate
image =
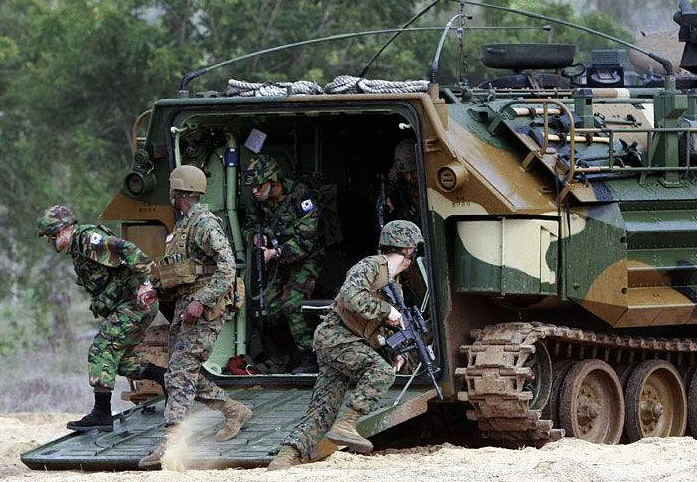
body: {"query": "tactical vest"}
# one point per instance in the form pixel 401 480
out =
pixel 180 274
pixel 366 329
pixel 177 270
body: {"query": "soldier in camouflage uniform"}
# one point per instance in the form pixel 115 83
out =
pixel 292 250
pixel 346 343
pixel 402 187
pixel 116 274
pixel 200 305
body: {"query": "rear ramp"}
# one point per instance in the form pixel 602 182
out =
pixel 138 430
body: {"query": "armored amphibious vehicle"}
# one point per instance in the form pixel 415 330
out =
pixel 558 201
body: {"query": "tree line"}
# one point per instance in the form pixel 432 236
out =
pixel 74 75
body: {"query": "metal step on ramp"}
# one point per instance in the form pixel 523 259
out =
pixel 139 430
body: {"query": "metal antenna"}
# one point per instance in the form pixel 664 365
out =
pixel 396 34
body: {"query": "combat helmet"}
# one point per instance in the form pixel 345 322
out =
pixel 401 234
pixel 262 169
pixel 54 219
pixel 187 178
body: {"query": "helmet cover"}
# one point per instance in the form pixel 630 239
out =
pixel 401 234
pixel 262 169
pixel 55 218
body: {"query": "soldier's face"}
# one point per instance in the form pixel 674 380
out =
pixel 61 240
pixel 262 192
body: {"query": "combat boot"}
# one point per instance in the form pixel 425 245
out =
pixel 99 418
pixel 285 458
pixel 236 415
pixel 154 460
pixel 344 433
pixel 308 364
pixel 156 374
pixel 95 420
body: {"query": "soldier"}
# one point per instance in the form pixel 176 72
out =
pixel 198 241
pixel 346 343
pixel 116 274
pixel 289 216
pixel 402 188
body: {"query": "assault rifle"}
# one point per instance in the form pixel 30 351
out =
pixel 382 203
pixel 260 269
pixel 411 337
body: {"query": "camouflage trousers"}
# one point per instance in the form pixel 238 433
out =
pixel 285 293
pixel 339 366
pixel 112 350
pixel 189 346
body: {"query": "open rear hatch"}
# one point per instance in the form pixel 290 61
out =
pixel 276 411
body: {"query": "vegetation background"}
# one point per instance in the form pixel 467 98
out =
pixel 75 74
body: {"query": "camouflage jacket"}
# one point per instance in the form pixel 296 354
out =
pixel 110 268
pixel 357 297
pixel 292 222
pixel 405 200
pixel 207 243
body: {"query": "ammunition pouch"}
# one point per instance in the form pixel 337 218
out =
pixel 232 300
pixel 179 273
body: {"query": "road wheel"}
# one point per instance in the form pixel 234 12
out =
pixel 551 410
pixel 656 402
pixel 591 404
pixel 540 382
pixel 692 405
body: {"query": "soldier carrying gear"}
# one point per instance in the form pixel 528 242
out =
pixel 346 355
pixel 200 306
pixel 116 274
pixel 289 215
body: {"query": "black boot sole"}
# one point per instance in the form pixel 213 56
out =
pixel 101 428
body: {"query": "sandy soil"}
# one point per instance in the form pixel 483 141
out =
pixel 569 460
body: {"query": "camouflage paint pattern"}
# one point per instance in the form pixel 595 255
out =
pixel 190 344
pixel 291 223
pixel 343 358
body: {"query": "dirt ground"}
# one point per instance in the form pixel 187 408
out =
pixel 568 460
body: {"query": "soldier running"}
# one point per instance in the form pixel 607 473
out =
pixel 116 274
pixel 346 343
pixel 197 247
